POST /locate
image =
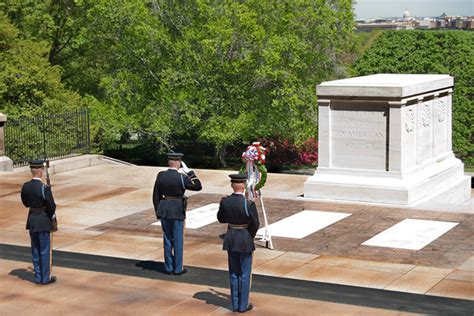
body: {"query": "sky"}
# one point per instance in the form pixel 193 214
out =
pixel 420 8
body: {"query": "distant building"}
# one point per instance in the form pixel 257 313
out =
pixel 409 22
pixel 427 23
pixel 407 16
pixel 440 23
pixel 470 24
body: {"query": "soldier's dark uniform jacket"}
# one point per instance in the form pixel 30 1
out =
pixel 38 197
pixel 241 213
pixel 168 193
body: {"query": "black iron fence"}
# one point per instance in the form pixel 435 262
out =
pixel 47 137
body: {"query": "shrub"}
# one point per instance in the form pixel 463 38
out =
pixel 308 152
pixel 283 153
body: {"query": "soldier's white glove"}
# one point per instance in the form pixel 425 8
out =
pixel 184 167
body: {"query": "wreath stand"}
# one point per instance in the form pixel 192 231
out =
pixel 253 177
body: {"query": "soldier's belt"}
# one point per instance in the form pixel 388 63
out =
pixel 241 226
pixel 166 197
pixel 37 209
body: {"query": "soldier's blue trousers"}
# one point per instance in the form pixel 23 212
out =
pixel 173 238
pixel 240 271
pixel 40 251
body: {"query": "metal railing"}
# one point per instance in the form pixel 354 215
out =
pixel 47 137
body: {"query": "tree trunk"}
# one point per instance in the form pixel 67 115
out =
pixel 219 156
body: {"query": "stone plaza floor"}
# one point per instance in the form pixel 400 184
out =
pixel 108 253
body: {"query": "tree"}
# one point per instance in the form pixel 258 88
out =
pixel 29 85
pixel 60 24
pixel 248 69
pixel 133 50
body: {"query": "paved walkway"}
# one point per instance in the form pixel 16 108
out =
pixel 106 210
pixel 80 292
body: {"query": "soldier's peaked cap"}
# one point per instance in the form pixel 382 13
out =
pixel 174 156
pixel 238 177
pixel 36 163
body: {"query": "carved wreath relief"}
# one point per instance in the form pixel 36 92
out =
pixel 409 119
pixel 426 114
pixel 441 108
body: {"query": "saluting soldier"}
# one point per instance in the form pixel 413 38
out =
pixel 170 206
pixel 38 197
pixel 242 218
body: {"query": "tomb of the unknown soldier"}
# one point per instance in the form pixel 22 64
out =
pixel 386 138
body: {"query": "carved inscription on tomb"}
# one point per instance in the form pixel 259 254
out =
pixel 358 135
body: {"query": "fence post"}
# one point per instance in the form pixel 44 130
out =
pixel 6 164
pixel 43 130
pixel 88 132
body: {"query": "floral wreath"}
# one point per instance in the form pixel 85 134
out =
pixel 256 153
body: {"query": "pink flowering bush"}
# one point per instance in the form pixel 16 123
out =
pixel 308 152
pixel 284 152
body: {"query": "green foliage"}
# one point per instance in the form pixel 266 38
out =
pixel 364 40
pixel 60 24
pixel 434 52
pixel 218 72
pixel 248 69
pixel 29 85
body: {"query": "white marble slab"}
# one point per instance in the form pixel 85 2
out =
pixel 200 216
pixel 413 234
pixel 303 224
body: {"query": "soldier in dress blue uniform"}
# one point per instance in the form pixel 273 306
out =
pixel 241 216
pixel 38 197
pixel 170 206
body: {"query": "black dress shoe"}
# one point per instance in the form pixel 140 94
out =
pixel 51 280
pixel 185 270
pixel 249 308
pixel 169 272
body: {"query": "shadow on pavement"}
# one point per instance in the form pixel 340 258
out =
pixel 151 266
pixel 214 297
pixel 24 274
